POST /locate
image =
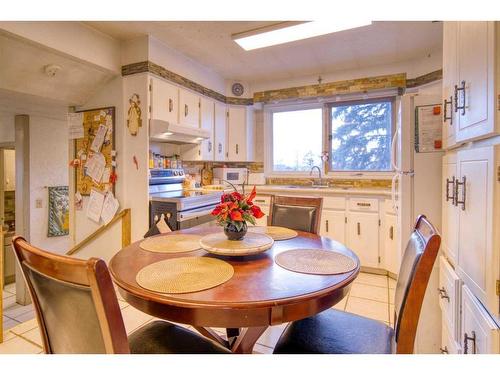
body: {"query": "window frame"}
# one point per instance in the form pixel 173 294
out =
pixel 355 174
pixel 270 109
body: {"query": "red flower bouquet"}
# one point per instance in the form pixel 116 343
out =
pixel 234 211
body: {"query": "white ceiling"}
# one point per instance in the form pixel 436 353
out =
pixel 22 71
pixel 210 44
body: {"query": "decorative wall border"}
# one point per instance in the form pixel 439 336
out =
pixel 160 71
pixel 398 80
pixel 425 79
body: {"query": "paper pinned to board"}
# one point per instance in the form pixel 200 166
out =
pixel 95 205
pixel 75 125
pixel 429 128
pixel 99 138
pixel 109 208
pixel 106 175
pixel 94 168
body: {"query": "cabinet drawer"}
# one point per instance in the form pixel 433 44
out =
pixel 363 204
pixel 479 332
pixel 449 292
pixel 448 343
pixel 336 203
pixel 262 201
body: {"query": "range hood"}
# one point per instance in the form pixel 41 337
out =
pixel 167 132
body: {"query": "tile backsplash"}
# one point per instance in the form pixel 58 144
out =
pixel 194 168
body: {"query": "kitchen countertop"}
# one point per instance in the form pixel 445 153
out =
pixel 330 190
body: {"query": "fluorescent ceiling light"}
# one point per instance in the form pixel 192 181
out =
pixel 290 31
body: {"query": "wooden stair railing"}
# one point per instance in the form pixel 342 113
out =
pixel 125 215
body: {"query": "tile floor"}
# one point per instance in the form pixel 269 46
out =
pixel 14 313
pixel 370 295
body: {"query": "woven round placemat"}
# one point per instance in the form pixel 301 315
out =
pixel 184 275
pixel 252 243
pixel 276 233
pixel 315 261
pixel 172 243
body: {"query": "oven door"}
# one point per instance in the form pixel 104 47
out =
pixel 197 216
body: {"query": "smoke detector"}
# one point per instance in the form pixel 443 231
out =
pixel 51 70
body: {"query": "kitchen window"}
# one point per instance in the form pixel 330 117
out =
pixel 359 135
pixel 348 138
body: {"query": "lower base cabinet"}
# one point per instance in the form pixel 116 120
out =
pixel 363 237
pixel 480 334
pixel 333 225
pixel 448 343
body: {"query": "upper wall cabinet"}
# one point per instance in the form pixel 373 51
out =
pixel 205 149
pixel 469 80
pixel 220 132
pixel 164 101
pixel 189 108
pixel 240 145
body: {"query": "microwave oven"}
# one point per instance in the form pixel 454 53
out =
pixel 235 176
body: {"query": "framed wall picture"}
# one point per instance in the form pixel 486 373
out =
pixel 58 211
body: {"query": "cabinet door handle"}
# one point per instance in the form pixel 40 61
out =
pixel 170 105
pixel 443 294
pixel 464 193
pixel 220 148
pixel 391 232
pixel 237 149
pixel 452 196
pixel 359 229
pixel 326 224
pixel 444 350
pixel 462 89
pixel 445 106
pixel 186 110
pixel 468 338
pixel 209 146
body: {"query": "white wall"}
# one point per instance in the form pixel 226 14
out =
pixel 48 167
pixel 6 128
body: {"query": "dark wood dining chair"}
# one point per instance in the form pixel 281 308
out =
pixel 78 312
pixel 338 332
pixel 299 213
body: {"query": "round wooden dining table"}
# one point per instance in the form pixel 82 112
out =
pixel 260 293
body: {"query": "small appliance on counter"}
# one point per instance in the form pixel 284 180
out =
pixel 235 176
pixel 183 208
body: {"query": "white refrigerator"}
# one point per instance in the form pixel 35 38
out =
pixel 416 189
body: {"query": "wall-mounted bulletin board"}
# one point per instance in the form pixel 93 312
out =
pixel 95 151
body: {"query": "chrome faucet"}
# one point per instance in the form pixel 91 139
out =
pixel 319 173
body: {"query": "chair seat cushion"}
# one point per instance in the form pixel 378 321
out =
pixel 336 332
pixel 161 337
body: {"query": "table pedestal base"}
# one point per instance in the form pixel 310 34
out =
pixel 239 340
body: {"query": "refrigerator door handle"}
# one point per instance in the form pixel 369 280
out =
pixel 393 192
pixel 394 150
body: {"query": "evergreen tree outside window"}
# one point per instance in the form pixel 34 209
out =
pixel 360 135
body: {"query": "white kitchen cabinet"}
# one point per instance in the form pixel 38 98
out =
pixel 240 128
pixel 363 237
pixel 189 108
pixel 471 81
pixel 220 133
pixel 450 287
pixel 477 200
pixel 450 79
pixel 448 343
pixel 449 220
pixel 205 149
pixel 264 202
pixel 391 256
pixel 164 101
pixel 480 334
pixel 333 224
